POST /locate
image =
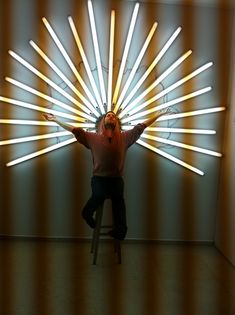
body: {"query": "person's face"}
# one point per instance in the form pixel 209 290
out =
pixel 110 120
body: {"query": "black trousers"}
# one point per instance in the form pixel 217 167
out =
pixel 112 188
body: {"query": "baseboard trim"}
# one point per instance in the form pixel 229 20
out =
pixel 88 239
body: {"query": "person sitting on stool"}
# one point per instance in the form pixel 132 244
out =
pixel 108 147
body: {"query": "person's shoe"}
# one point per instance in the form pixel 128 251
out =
pixel 90 221
pixel 115 235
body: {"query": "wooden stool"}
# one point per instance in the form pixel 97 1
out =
pixel 98 232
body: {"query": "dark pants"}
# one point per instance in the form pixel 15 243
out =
pixel 112 188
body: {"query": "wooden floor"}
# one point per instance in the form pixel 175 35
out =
pixel 58 278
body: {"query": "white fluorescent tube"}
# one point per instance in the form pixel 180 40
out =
pixel 136 65
pixel 111 52
pixel 47 80
pixel 155 83
pixel 27 122
pixel 192 113
pixel 43 123
pixel 170 88
pixel 68 59
pixel 181 145
pixel 125 53
pixel 151 67
pixel 40 109
pixel 40 152
pixel 170 157
pixel 86 63
pixel 49 98
pixel 167 104
pixel 34 138
pixel 65 79
pixel 175 130
pixel 97 51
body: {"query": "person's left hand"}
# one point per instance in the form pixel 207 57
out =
pixel 49 117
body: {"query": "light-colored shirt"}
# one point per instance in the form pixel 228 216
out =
pixel 108 153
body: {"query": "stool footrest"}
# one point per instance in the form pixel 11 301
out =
pixel 106 226
pixel 103 234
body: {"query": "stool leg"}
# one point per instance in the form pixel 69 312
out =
pixel 117 249
pixel 117 245
pixel 96 235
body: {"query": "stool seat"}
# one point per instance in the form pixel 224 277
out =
pixel 99 231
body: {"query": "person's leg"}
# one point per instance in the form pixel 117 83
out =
pixel 119 209
pixel 96 200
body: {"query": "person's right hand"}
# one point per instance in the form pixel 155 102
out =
pixel 49 117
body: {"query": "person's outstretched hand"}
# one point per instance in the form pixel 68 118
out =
pixel 49 117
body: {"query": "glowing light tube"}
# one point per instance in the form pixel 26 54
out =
pixel 97 51
pixel 175 130
pixel 34 138
pixel 167 104
pixel 111 51
pixel 27 122
pixel 181 145
pixel 40 109
pixel 182 115
pixel 151 67
pixel 40 152
pixel 68 60
pixel 42 123
pixel 192 113
pixel 49 98
pixel 125 54
pixel 155 83
pixel 86 63
pixel 64 78
pixel 82 125
pixel 170 157
pixel 47 80
pixel 136 65
pixel 170 88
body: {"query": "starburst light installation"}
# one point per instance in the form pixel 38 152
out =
pixel 95 99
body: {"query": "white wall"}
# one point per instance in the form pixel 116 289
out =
pixel 44 196
pixel 225 231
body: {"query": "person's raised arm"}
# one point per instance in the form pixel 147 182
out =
pixel 153 118
pixel 51 117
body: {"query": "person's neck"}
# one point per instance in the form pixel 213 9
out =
pixel 109 133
